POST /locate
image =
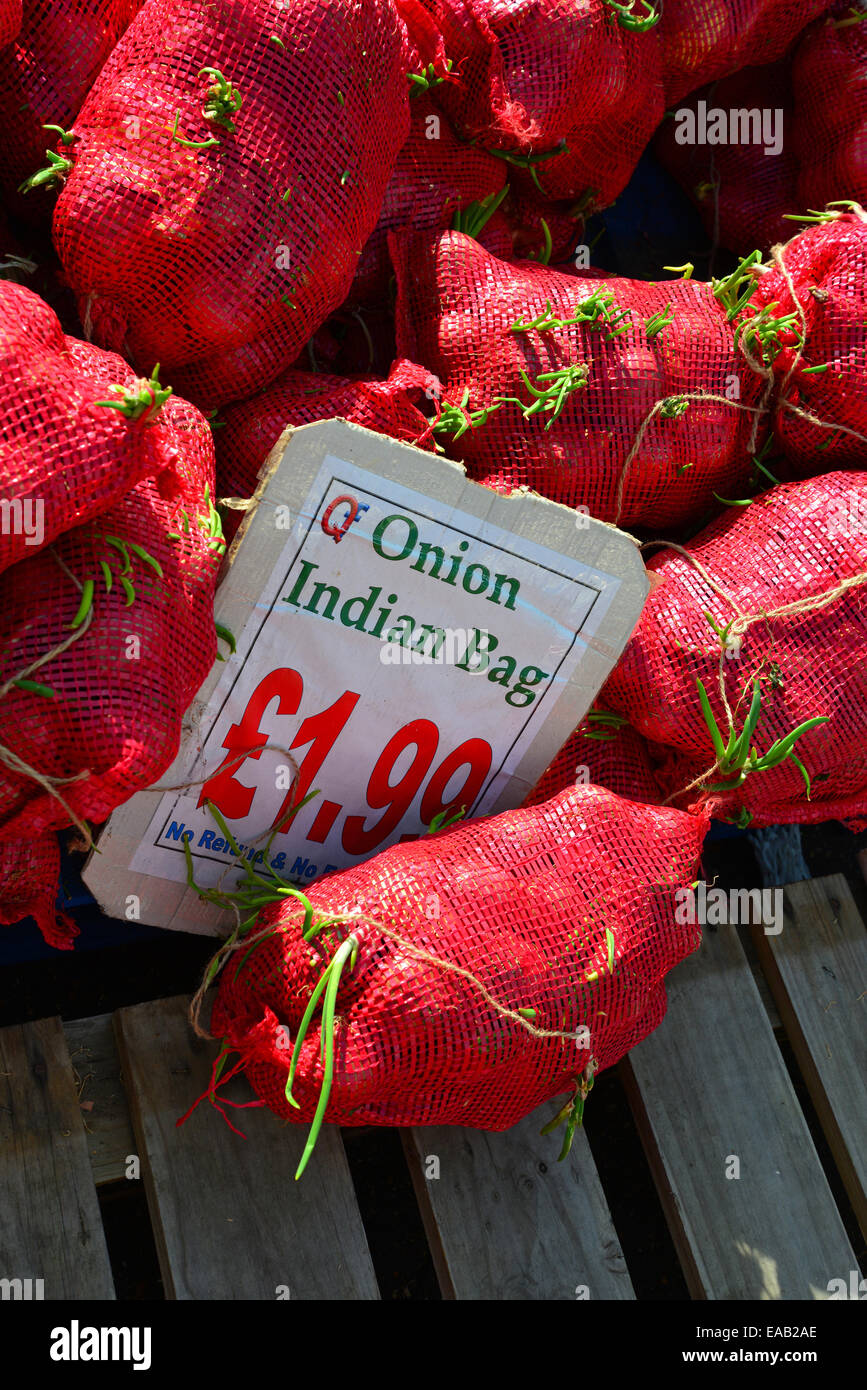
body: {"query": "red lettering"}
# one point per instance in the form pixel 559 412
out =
pixel 246 740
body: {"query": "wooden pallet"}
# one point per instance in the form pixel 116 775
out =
pixel 746 1197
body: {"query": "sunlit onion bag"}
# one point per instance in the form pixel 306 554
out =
pixel 753 189
pixel 45 74
pixel 703 40
pixel 220 262
pixel 112 703
pixel 456 308
pixel 821 274
pixel 435 175
pixel 64 457
pixel 29 881
pixel 829 78
pixel 792 545
pixel 532 75
pixel 10 20
pixel 250 429
pixel 604 753
pixel 524 901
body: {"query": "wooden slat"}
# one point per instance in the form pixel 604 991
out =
pixel 710 1083
pixel 769 1004
pixel 102 1099
pixel 505 1220
pixel 229 1220
pixel 50 1226
pixel 817 970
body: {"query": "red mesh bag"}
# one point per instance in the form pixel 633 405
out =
pixel 741 193
pixel 714 38
pixel 29 878
pixel 63 457
pixel 604 751
pixel 565 911
pixel 829 79
pixel 105 637
pixel 44 77
pixel 250 429
pixel 820 280
pixel 604 141
pixel 218 238
pixel 435 174
pixel 531 76
pixel 10 20
pixel 457 306
pixel 793 546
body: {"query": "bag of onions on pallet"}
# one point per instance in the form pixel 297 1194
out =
pixel 464 978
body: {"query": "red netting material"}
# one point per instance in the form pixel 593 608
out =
pixel 10 20
pixel 220 262
pixel 44 77
pixel 822 276
pixel 456 307
pixel 793 544
pixel 64 458
pixel 602 754
pixel 609 132
pixel 114 699
pixel 740 191
pixel 29 880
pixel 829 78
pixel 531 75
pixel 435 174
pixel 567 908
pixel 704 40
pixel 250 429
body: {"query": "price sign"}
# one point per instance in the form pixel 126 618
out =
pixel 409 644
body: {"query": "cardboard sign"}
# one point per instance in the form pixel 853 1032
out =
pixel 408 643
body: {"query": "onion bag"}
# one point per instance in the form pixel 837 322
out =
pixel 499 964
pixel 105 637
pixel 772 599
pixel 804 327
pixel 66 455
pixel 567 90
pixel 45 74
pixel 226 170
pixel 599 406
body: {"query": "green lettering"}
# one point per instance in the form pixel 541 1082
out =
pixel 411 537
